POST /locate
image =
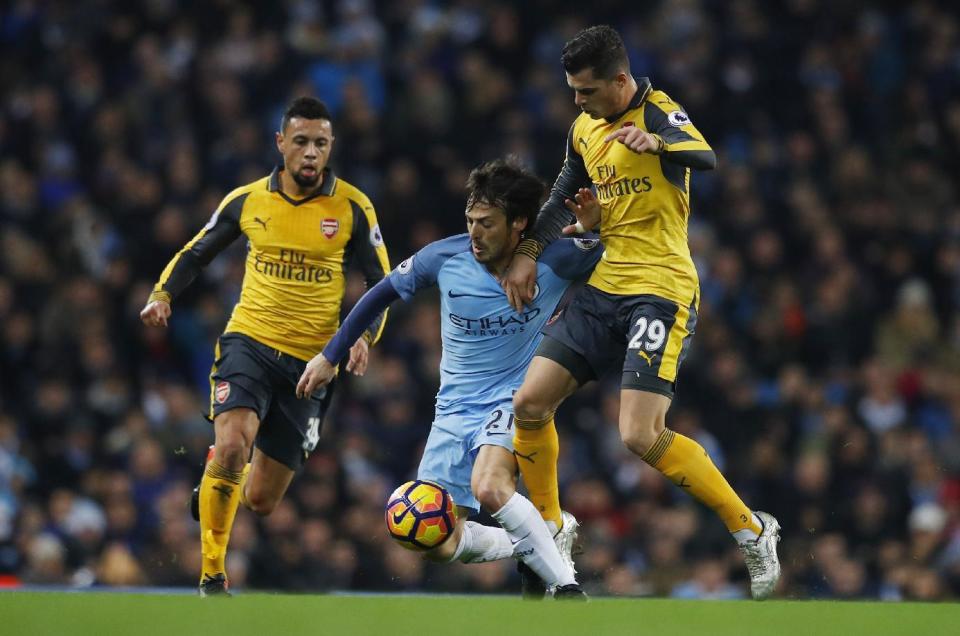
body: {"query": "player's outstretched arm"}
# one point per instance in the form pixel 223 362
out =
pixel 222 229
pixel 370 254
pixel 321 369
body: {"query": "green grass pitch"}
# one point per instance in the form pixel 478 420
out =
pixel 106 614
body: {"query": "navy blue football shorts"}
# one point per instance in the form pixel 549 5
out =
pixel 249 374
pixel 646 336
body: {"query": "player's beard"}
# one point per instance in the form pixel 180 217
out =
pixel 306 182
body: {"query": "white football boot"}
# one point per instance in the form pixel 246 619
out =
pixel 566 538
pixel 761 558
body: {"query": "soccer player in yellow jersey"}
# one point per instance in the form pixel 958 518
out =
pixel 302 225
pixel 635 146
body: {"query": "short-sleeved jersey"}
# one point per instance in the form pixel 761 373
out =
pixel 297 252
pixel 487 345
pixel 645 197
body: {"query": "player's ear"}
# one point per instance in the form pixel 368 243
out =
pixel 520 223
pixel 279 138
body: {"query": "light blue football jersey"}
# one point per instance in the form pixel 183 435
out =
pixel 487 345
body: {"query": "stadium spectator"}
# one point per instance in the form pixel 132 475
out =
pixel 826 368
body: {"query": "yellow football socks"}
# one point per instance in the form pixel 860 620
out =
pixel 688 465
pixel 219 498
pixel 537 449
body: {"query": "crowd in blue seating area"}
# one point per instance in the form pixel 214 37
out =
pixel 824 378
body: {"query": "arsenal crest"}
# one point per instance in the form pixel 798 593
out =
pixel 222 391
pixel 330 227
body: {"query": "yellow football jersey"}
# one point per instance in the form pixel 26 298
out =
pixel 645 197
pixel 297 252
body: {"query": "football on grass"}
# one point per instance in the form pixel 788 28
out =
pixel 420 515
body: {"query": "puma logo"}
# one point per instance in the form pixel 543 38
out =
pixel 647 356
pixel 583 142
pixel 225 491
pixel 257 219
pixel 529 457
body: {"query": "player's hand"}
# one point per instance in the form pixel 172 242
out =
pixel 635 139
pixel 318 373
pixel 586 208
pixel 359 355
pixel 520 281
pixel 155 314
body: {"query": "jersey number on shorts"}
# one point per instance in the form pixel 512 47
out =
pixel 313 434
pixel 655 333
pixel 492 426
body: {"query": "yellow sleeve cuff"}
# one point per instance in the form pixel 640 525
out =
pixel 159 294
pixel 529 247
pixel 661 145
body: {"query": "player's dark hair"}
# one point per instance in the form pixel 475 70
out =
pixel 506 184
pixel 599 48
pixel 305 108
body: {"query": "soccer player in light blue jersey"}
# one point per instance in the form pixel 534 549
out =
pixel 487 346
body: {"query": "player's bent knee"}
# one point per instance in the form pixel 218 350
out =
pixel 231 452
pixel 260 503
pixel 492 493
pixel 234 437
pixel 529 411
pixel 639 439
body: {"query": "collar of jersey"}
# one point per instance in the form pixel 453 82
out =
pixel 325 190
pixel 643 89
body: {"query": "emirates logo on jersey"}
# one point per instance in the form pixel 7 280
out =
pixel 330 227
pixel 221 392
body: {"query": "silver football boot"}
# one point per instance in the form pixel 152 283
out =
pixel 567 537
pixel 761 558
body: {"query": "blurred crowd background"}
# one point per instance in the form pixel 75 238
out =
pixel 824 378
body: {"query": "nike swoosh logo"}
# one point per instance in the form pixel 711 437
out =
pixel 397 518
pixel 512 542
pixel 453 295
